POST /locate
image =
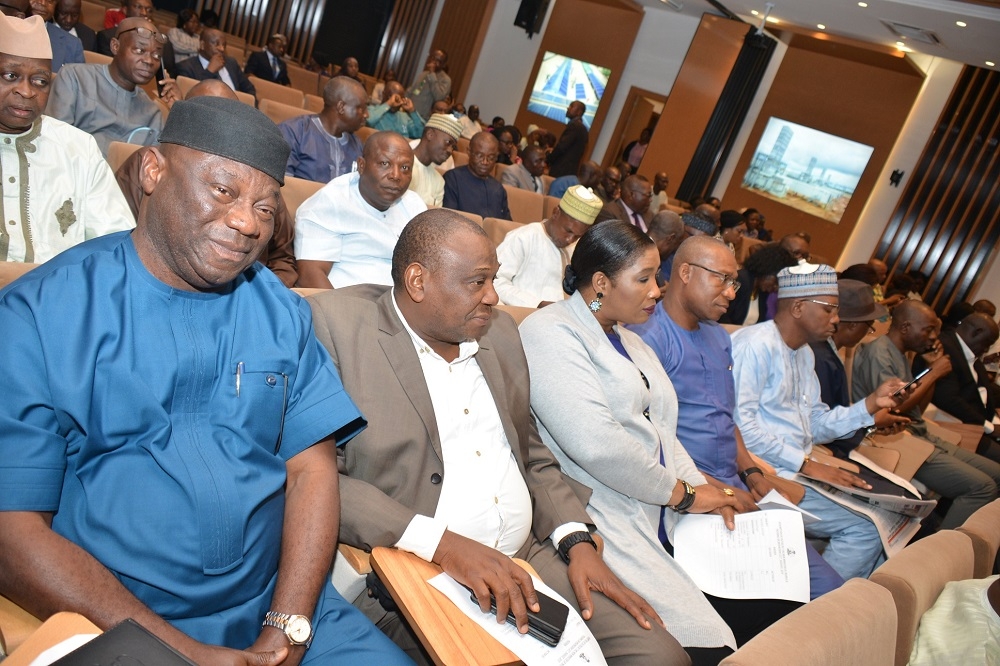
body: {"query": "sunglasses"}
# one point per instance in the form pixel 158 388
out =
pixel 146 33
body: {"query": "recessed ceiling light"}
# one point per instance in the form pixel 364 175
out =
pixel 755 12
pixel 821 26
pixel 990 63
pixel 862 4
pixel 961 24
pixel 771 19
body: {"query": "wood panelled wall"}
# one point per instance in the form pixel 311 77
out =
pixel 402 44
pixel 256 20
pixel 460 32
pixel 947 223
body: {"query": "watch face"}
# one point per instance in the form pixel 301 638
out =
pixel 299 629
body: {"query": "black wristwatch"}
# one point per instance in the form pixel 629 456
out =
pixel 745 474
pixel 571 540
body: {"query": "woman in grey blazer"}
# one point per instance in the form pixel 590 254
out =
pixel 608 411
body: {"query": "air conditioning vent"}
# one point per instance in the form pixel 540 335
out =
pixel 912 33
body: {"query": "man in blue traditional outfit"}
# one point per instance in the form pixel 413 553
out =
pixel 169 428
pixel 697 354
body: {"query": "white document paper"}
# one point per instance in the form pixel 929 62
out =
pixel 775 500
pixel 577 645
pixel 763 558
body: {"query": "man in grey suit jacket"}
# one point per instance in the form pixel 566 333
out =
pixel 451 447
pixel 633 204
pixel 528 174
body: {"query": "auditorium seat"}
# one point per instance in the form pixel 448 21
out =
pixel 364 133
pixel 497 229
pixel 548 205
pixel 460 158
pixel 983 528
pixel 462 145
pixel 314 103
pixel 279 112
pixel 237 53
pixel 472 216
pixel 546 183
pixel 498 171
pixel 853 625
pixel 94 58
pixel 525 206
pixel 119 151
pixel 297 190
pixel 92 15
pixel 304 80
pixel 915 577
pixel 278 93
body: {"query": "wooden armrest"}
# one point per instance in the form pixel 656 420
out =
pixel 448 635
pixel 17 624
pixel 828 459
pixel 56 629
pixel 359 560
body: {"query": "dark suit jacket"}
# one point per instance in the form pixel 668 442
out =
pixel 565 157
pixel 259 65
pixel 388 472
pixel 87 36
pixel 191 68
pixel 739 307
pixel 615 210
pixel 957 392
pixel 104 38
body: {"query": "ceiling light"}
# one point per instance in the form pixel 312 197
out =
pixel 755 12
pixel 821 26
pixel 900 44
pixel 961 24
pixel 862 4
pixel 990 63
pixel 771 19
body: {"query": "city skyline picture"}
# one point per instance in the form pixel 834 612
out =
pixel 807 169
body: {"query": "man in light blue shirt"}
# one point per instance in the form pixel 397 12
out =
pixel 780 413
pixel 396 113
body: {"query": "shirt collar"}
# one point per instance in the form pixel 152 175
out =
pixel 466 349
pixel 970 358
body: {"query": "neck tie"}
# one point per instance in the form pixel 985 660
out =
pixel 638 221
pixel 274 65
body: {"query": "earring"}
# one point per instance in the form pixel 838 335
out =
pixel 595 305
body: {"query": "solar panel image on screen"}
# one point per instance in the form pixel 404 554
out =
pixel 806 169
pixel 562 80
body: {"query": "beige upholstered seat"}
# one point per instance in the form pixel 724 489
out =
pixel 983 527
pixel 548 205
pixel 916 576
pixel 118 152
pixel 497 229
pixel 277 92
pixel 297 190
pixel 279 112
pixel 314 103
pixel 525 206
pixel 854 625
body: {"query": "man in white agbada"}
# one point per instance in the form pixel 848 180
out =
pixel 533 257
pixel 58 190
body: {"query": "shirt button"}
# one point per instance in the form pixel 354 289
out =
pixel 12 179
pixel 478 453
pixel 435 478
pixel 271 380
pixel 6 140
pixel 12 223
pixel 466 411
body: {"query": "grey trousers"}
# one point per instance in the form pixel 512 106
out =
pixel 621 639
pixel 969 479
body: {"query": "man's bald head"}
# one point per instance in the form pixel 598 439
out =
pixel 589 174
pixel 211 88
pixel 341 89
pixel 979 332
pixel 881 269
pixel 710 212
pixel 697 249
pixel 667 231
pixel 424 237
pixel 393 88
pixel 911 312
pixel 131 23
pixel 702 281
pixel 986 307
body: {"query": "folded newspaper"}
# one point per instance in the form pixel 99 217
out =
pixel 896 512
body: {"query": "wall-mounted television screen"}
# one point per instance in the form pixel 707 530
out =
pixel 806 169
pixel 562 80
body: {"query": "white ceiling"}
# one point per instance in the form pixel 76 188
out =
pixel 974 44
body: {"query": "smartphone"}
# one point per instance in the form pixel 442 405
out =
pixel 906 387
pixel 547 625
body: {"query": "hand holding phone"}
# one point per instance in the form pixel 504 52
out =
pixel 908 385
pixel 547 625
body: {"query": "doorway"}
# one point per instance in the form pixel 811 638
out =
pixel 642 110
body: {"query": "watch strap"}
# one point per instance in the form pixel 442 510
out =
pixel 571 540
pixel 745 474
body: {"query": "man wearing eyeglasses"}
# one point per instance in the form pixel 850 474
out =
pixel 107 101
pixel 781 415
pixel 697 354
pixel 472 188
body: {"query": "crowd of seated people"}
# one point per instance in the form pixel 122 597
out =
pixel 678 359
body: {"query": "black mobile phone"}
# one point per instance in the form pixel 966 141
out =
pixel 547 625
pixel 910 383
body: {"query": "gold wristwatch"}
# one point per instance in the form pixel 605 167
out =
pixel 297 628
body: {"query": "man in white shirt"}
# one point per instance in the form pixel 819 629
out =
pixel 432 149
pixel 58 190
pixel 451 467
pixel 533 257
pixel 344 234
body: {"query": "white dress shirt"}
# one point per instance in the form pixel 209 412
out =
pixel 223 73
pixel 531 267
pixel 483 494
pixel 970 359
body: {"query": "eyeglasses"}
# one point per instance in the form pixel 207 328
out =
pixel 145 33
pixel 824 304
pixel 726 280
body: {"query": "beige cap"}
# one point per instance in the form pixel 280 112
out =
pixel 447 124
pixel 581 204
pixel 25 38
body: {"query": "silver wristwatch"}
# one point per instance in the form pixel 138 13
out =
pixel 297 628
